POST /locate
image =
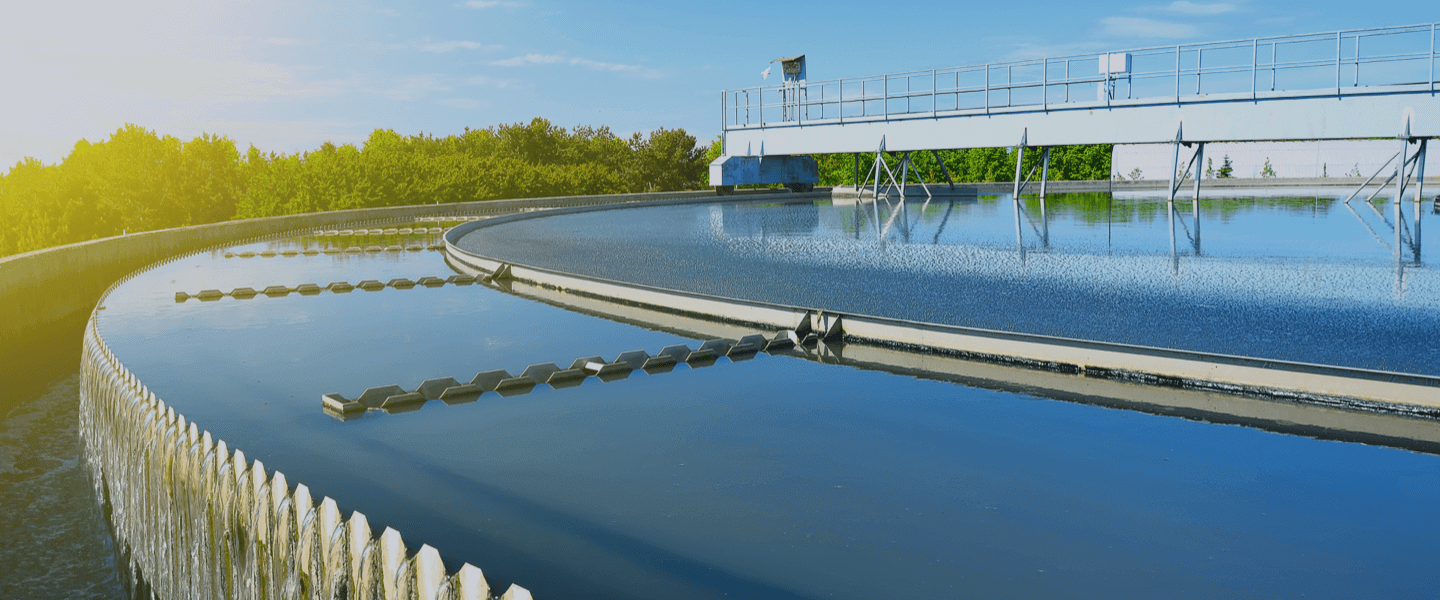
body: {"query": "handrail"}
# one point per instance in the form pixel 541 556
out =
pixel 932 93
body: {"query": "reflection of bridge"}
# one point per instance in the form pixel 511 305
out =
pixel 1367 83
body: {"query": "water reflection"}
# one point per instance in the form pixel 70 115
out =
pixel 1032 220
pixel 1292 276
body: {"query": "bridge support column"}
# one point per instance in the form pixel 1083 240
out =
pixel 1399 196
pixel 1044 213
pixel 944 170
pixel 1019 164
pixel 1419 197
pixel 1044 174
pixel 1195 204
pixel 1420 177
pixel 1015 196
pixel 1174 169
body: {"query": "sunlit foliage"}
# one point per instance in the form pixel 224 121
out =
pixel 138 181
pixel 976 165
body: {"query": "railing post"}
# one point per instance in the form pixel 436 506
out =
pixel 761 103
pixel 1254 60
pixel 1177 74
pixel 1337 62
pixel 886 94
pixel 1199 66
pixel 1045 90
pixel 1067 81
pixel 987 88
pixel 1432 58
pixel 934 82
pixel 840 99
pixel 1273 50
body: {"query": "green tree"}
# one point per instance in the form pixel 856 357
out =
pixel 669 160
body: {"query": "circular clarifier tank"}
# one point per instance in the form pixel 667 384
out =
pixel 755 475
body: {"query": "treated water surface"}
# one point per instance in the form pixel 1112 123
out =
pixel 774 477
pixel 1306 279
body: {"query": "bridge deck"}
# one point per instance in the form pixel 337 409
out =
pixel 1339 85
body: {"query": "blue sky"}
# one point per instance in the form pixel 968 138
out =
pixel 288 76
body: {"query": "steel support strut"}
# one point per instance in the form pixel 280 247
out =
pixel 943 169
pixel 1400 192
pixel 1420 175
pixel 1175 155
pixel 1044 213
pixel 1372 178
pixel 1195 203
pixel 1019 163
pixel 1044 174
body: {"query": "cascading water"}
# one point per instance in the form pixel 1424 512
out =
pixel 194 518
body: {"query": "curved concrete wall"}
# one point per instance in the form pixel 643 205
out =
pixel 1351 388
pixel 192 517
pixel 46 286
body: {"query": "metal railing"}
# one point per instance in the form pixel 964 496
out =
pixel 1304 65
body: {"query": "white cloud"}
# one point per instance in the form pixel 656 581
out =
pixel 603 66
pixel 443 47
pixel 1191 8
pixel 528 59
pixel 426 45
pixel 493 3
pixel 267 134
pixel 550 59
pixel 1146 28
pixel 483 80
pixel 1029 50
pixel 462 103
pixel 416 87
pixel 169 77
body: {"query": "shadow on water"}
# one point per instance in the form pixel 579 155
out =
pixel 56 542
pixel 693 577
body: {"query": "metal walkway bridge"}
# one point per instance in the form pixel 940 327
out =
pixel 1364 83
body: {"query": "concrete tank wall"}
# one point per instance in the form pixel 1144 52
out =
pixel 46 286
pixel 192 517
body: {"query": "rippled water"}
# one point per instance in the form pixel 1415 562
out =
pixel 53 540
pixel 769 478
pixel 1307 278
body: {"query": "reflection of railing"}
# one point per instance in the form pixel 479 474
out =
pixel 1318 64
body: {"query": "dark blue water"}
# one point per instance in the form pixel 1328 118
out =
pixel 54 542
pixel 1305 279
pixel 770 478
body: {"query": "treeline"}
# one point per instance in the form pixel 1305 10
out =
pixel 138 181
pixel 976 165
